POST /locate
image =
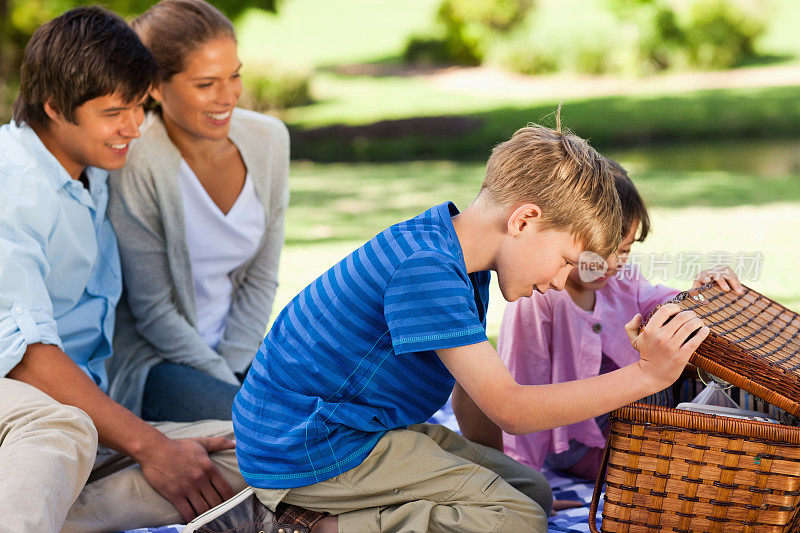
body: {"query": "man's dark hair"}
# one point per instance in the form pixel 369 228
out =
pixel 83 54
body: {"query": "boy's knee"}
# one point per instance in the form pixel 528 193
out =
pixel 538 489
pixel 529 517
pixel 530 482
pixel 523 511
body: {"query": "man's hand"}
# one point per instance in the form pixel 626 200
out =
pixel 664 345
pixel 182 472
pixel 179 469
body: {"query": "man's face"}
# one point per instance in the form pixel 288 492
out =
pixel 100 136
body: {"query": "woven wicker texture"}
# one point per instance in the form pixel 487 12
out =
pixel 754 343
pixel 670 470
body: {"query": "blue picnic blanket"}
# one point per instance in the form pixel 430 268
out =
pixel 568 488
pixel 564 488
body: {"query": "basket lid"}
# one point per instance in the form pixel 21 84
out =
pixel 754 342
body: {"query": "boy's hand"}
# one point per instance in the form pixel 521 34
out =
pixel 664 345
pixel 724 276
pixel 182 472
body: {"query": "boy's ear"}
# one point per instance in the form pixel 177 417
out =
pixel 523 217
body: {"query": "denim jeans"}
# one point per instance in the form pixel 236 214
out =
pixel 179 393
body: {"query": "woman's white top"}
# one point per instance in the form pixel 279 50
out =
pixel 218 244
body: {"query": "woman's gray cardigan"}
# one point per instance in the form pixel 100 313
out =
pixel 156 318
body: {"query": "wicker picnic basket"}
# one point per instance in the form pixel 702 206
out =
pixel 672 470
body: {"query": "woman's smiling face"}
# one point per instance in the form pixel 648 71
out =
pixel 200 99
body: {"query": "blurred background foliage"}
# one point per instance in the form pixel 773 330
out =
pixel 19 19
pixel 276 89
pixel 467 28
pixel 620 36
pixel 394 106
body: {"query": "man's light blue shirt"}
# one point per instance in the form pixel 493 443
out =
pixel 60 276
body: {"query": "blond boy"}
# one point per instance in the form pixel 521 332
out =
pixel 329 417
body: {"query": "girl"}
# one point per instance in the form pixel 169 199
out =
pixel 199 212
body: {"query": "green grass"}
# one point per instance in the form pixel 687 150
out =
pixel 319 34
pixel 768 229
pixel 668 189
pixel 353 202
pixel 336 207
pixel 609 122
pixel 344 202
pixel 359 100
pixel 365 99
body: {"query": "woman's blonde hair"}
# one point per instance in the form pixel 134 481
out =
pixel 568 179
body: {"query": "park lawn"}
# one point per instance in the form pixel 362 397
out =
pixel 352 202
pixel 336 207
pixel 609 122
pixel 373 32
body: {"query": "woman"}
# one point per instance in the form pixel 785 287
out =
pixel 198 212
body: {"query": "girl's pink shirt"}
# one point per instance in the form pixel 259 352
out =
pixel 549 339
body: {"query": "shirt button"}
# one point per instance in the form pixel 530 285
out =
pixel 597 328
pixel 18 309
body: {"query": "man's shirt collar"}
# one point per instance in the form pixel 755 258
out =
pixel 53 170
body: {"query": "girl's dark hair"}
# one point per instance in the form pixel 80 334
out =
pixel 173 29
pixel 633 207
pixel 83 54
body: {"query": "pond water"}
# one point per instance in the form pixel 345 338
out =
pixel 767 157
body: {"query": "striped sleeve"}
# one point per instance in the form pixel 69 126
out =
pixel 429 304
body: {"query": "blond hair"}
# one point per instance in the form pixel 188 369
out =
pixel 565 177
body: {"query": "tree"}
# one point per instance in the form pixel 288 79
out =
pixel 19 19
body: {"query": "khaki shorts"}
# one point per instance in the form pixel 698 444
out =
pixel 428 478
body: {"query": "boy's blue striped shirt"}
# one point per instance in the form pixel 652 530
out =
pixel 352 356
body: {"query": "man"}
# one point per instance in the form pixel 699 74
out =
pixel 83 80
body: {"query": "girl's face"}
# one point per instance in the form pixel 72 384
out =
pixel 615 262
pixel 199 100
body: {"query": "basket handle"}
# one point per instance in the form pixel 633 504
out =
pixel 598 488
